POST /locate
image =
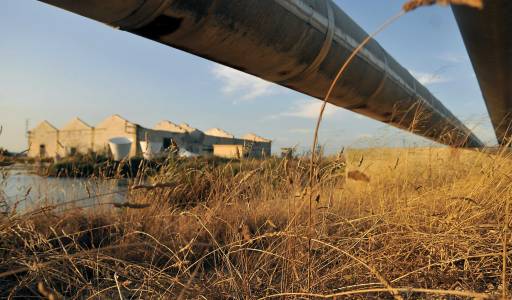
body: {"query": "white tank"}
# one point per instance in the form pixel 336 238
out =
pixel 185 153
pixel 150 150
pixel 120 147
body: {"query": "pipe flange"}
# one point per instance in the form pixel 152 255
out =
pixel 326 46
pixel 324 50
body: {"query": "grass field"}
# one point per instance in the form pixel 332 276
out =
pixel 385 223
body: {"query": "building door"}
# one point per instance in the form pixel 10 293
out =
pixel 72 151
pixel 42 151
pixel 166 143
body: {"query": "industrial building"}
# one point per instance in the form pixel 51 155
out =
pixel 47 141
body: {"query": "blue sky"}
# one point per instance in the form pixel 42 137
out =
pixel 55 65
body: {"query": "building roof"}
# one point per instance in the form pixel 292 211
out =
pixel 255 138
pixel 219 133
pixel 189 128
pixel 115 117
pixel 75 124
pixel 167 125
pixel 45 125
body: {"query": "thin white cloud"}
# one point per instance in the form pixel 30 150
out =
pixel 242 85
pixel 426 78
pixel 453 58
pixel 310 109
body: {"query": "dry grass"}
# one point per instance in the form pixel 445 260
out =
pixel 414 4
pixel 429 223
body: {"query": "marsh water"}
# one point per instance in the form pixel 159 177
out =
pixel 23 188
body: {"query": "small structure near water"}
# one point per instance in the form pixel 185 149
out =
pixel 78 137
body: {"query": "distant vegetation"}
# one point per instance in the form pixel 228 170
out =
pixel 90 165
pixel 6 158
pixel 101 166
pixel 4 152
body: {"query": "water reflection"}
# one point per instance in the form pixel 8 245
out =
pixel 29 190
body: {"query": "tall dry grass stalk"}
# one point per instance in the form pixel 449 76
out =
pixel 505 240
pixel 414 4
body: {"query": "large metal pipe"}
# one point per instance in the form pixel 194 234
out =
pixel 487 34
pixel 300 44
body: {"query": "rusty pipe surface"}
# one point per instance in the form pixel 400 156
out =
pixel 299 44
pixel 487 35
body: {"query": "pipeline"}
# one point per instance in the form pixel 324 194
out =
pixel 487 35
pixel 299 44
